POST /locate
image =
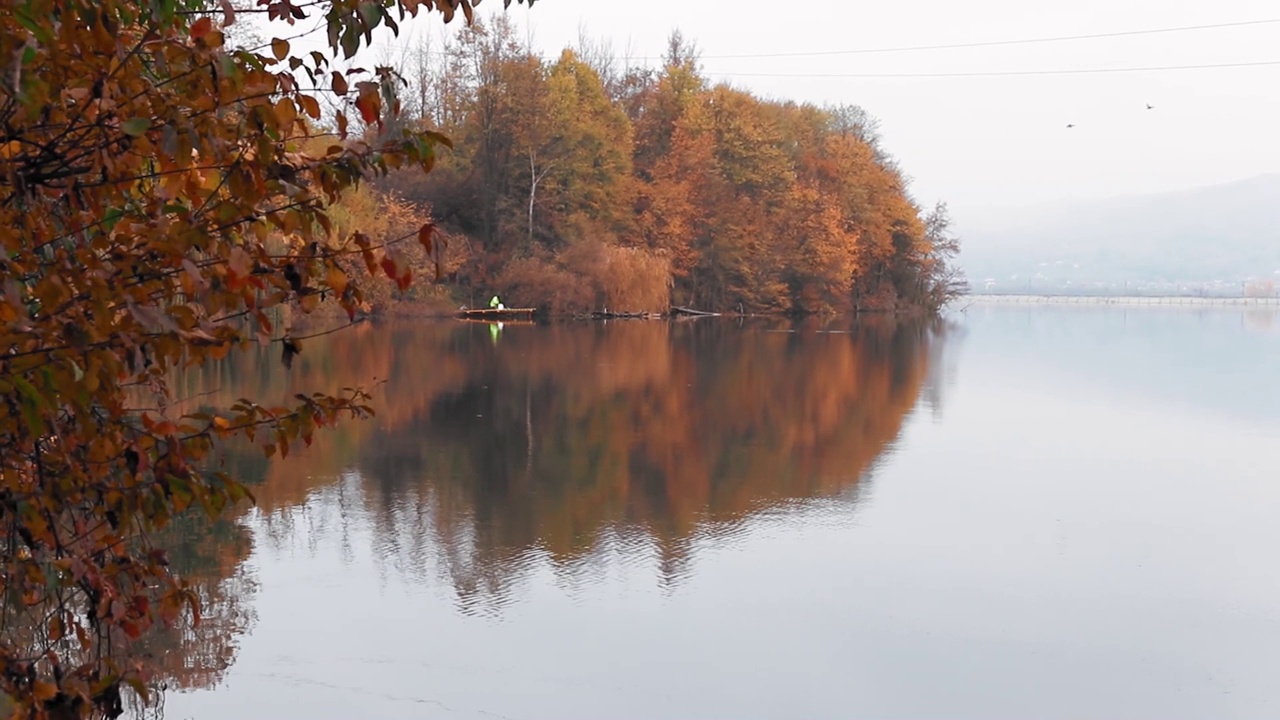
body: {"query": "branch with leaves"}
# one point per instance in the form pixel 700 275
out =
pixel 161 193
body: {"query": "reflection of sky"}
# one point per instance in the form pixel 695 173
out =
pixel 1081 534
pixel 1219 360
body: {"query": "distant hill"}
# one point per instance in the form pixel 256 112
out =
pixel 1220 236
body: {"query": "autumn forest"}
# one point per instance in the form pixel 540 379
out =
pixel 582 183
pixel 176 190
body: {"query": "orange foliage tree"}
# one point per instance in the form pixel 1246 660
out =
pixel 160 193
pixel 750 204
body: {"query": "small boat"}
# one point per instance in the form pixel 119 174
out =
pixel 497 314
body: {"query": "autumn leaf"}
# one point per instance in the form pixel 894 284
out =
pixel 309 106
pixel 286 112
pixel 201 27
pixel 369 103
pixel 43 691
pixel 337 279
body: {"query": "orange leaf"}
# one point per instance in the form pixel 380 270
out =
pixel 286 112
pixel 42 691
pixel 337 279
pixel 309 106
pixel 201 27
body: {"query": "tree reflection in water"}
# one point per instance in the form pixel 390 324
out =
pixel 571 445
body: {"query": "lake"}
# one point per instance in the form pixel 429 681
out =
pixel 1030 512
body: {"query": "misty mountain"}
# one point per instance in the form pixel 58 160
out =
pixel 1222 235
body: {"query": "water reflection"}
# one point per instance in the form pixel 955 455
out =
pixel 580 442
pixel 567 448
pixel 639 520
pixel 211 556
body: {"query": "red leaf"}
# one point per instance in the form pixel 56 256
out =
pixel 389 267
pixel 201 27
pixel 368 104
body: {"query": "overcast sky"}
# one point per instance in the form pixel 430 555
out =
pixel 985 142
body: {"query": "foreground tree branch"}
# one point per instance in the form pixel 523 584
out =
pixel 160 194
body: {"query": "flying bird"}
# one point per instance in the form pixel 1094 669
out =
pixel 1150 106
pixel 1070 125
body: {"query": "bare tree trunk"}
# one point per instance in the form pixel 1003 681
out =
pixel 533 192
pixel 535 178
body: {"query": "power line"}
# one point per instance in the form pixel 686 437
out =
pixel 980 44
pixel 1078 71
pixel 994 43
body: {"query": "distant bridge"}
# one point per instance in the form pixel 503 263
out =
pixel 1119 300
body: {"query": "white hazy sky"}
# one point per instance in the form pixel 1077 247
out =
pixel 983 143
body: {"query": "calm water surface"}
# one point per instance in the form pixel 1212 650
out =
pixel 1044 512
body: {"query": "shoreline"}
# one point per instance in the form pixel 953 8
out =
pixel 1142 300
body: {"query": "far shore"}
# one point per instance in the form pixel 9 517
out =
pixel 1031 299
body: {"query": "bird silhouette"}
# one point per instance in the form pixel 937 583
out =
pixel 1070 125
pixel 1150 106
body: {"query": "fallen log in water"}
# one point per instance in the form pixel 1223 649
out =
pixel 677 310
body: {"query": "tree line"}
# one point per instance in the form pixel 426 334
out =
pixel 583 184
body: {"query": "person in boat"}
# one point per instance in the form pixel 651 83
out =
pixel 496 304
